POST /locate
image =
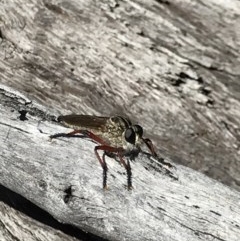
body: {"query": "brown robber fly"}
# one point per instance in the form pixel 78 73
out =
pixel 116 136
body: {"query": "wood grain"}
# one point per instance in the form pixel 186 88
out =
pixel 64 178
pixel 172 66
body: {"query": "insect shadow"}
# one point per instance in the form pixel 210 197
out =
pixel 160 165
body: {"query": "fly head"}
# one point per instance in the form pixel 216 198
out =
pixel 133 137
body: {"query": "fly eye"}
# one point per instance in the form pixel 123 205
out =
pixel 139 130
pixel 130 135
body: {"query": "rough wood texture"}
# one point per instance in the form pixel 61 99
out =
pixel 171 65
pixel 17 226
pixel 193 207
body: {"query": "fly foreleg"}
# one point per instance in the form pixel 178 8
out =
pixel 150 146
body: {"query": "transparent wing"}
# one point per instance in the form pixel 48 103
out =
pixel 109 129
pixel 83 121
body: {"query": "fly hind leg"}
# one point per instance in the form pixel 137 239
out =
pixel 103 164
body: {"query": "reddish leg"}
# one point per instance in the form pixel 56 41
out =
pixel 83 132
pixel 119 152
pixel 150 146
pixel 103 147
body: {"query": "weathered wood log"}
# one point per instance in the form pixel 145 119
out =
pixel 172 65
pixel 64 178
pixel 16 225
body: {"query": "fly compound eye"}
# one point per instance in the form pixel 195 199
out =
pixel 130 136
pixel 138 130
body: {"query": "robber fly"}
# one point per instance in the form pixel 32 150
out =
pixel 116 136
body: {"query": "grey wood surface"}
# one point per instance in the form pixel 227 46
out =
pixel 17 226
pixel 186 205
pixel 171 66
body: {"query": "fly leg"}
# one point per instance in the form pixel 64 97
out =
pixel 103 164
pixel 150 146
pixel 119 152
pixel 83 132
pixel 70 134
pixel 102 161
pixel 105 169
pixel 95 138
pixel 129 171
pixel 104 147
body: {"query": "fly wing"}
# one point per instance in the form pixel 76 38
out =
pixel 83 121
pixel 109 129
